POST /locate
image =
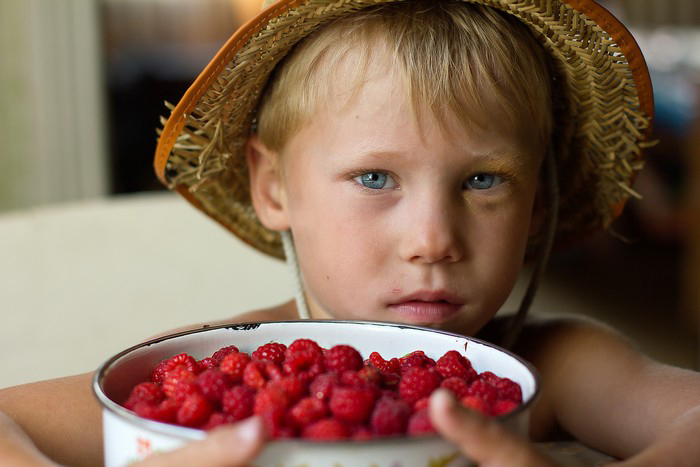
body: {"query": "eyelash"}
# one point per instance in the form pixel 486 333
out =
pixel 504 178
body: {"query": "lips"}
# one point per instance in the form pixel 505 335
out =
pixel 427 307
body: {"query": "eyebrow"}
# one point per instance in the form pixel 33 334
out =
pixel 504 159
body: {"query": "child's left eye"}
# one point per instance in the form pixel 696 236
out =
pixel 482 181
pixel 376 180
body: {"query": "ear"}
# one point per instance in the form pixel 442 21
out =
pixel 538 211
pixel 266 185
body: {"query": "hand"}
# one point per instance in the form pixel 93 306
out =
pixel 482 440
pixel 228 445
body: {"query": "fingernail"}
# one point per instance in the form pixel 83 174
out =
pixel 444 398
pixel 250 429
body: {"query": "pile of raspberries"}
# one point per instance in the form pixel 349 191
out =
pixel 305 391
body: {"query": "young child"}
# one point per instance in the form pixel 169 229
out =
pixel 407 157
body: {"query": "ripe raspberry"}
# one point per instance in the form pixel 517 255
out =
pixel 342 358
pixel 212 384
pixel 360 433
pixel 385 366
pixel 503 406
pixel 327 429
pixel 144 392
pixel 272 351
pixel 418 382
pixel 233 365
pixel 194 411
pixel 452 363
pixel 271 404
pixel 415 358
pixel 159 372
pixel 419 423
pixel 457 385
pixel 238 402
pixel 307 364
pixel 206 364
pixel 366 377
pixel 304 345
pixel 489 377
pixel 259 372
pixel 322 386
pixel 182 390
pixel 173 377
pixel 352 404
pixel 219 355
pixel 508 389
pixel 479 388
pixel 293 386
pixel 182 360
pixel 165 412
pixel 422 403
pixel 390 417
pixel 476 403
pixel 307 411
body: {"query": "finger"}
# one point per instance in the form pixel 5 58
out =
pixel 229 445
pixel 484 441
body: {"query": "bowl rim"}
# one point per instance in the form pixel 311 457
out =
pixel 193 434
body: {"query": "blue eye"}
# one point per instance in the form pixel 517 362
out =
pixel 375 180
pixel 483 181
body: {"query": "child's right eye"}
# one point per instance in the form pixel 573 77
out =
pixel 376 180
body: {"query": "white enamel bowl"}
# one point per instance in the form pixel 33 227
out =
pixel 128 437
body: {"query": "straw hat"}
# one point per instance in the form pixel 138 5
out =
pixel 606 83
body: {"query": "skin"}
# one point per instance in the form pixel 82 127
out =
pixel 428 248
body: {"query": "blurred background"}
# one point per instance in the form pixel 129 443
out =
pixel 85 227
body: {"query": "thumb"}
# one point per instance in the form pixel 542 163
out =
pixel 484 441
pixel 228 445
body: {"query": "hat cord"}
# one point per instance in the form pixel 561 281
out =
pixel 518 320
pixel 290 254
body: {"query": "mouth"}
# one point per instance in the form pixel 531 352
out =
pixel 427 307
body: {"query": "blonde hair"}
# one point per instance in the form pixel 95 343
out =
pixel 457 60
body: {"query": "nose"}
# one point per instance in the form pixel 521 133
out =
pixel 431 232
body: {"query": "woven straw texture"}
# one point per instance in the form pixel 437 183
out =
pixel 600 126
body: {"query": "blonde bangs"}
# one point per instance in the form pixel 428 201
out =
pixel 458 61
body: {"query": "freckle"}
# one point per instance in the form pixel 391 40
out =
pixel 396 291
pixel 328 278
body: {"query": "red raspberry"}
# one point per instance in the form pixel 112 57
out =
pixel 422 403
pixel 489 377
pixel 219 355
pixel 304 345
pixel 415 358
pixel 385 366
pixel 477 404
pixel 418 382
pixel 181 361
pixel 322 386
pixel 206 364
pixel 271 403
pixel 456 385
pixel 217 419
pixel 366 377
pixel 174 377
pixel 307 411
pixel 212 384
pixel 144 392
pixel 452 363
pixel 273 352
pixel 307 364
pixel 342 358
pixel 183 390
pixel 504 406
pixel 352 404
pixel 360 433
pixel 508 389
pixel 479 388
pixel 293 386
pixel 194 411
pixel 233 365
pixel 165 412
pixel 238 402
pixel 419 423
pixel 259 372
pixel 390 417
pixel 327 429
pixel 159 372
